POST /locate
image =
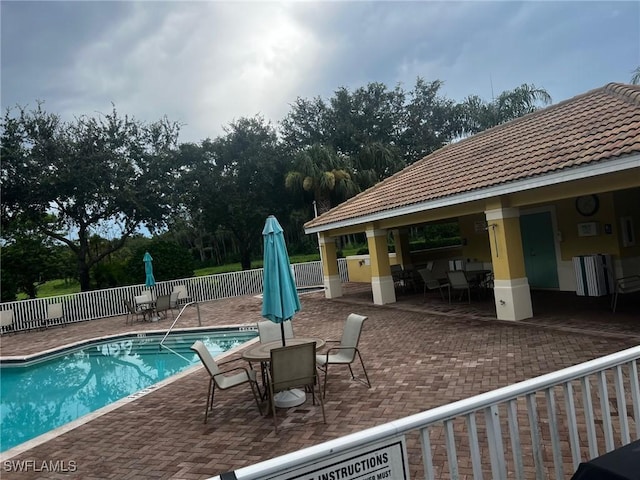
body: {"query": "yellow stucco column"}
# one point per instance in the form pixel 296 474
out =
pixel 330 273
pixel 401 241
pixel 381 279
pixel 511 286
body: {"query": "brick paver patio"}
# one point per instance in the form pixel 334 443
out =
pixel 419 355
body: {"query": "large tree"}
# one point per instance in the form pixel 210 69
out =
pixel 371 114
pixel 103 175
pixel 305 124
pixel 193 164
pixel 430 122
pixel 380 129
pixel 243 184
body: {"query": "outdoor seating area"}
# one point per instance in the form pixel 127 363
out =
pixel 149 308
pixel 444 367
pixel 461 280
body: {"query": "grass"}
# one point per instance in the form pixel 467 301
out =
pixel 235 267
pixel 53 288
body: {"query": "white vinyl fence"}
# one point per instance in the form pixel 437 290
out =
pixel 109 302
pixel 541 428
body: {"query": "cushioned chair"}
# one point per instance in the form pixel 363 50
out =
pixel 458 282
pixel 293 366
pixel 6 321
pixel 430 282
pixel 270 331
pixel 346 352
pixel 225 379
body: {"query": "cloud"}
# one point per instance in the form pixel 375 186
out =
pixel 208 63
pixel 203 64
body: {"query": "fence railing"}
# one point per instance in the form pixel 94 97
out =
pixel 540 428
pixel 109 302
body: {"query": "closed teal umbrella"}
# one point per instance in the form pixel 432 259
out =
pixel 149 281
pixel 279 296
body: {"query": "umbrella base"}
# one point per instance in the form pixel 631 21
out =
pixel 290 398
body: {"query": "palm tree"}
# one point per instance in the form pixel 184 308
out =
pixel 479 115
pixel 635 79
pixel 375 162
pixel 320 171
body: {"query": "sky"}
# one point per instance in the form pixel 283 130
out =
pixel 206 64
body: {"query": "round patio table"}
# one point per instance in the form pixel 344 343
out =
pixel 261 352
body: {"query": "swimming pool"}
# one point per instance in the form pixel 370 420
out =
pixel 42 394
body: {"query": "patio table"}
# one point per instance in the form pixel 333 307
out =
pixel 261 352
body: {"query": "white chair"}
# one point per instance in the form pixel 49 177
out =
pixel 218 377
pixel 270 331
pixel 54 315
pixel 458 282
pixel 6 321
pixel 183 296
pixel 431 283
pixel 345 353
pixel 143 304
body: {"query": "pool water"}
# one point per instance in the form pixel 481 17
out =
pixel 42 395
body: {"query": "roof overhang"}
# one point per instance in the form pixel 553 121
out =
pixel 563 176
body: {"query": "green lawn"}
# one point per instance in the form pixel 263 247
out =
pixel 64 287
pixel 235 267
pixel 55 287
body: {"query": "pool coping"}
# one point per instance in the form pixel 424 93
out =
pixel 45 437
pixel 18 359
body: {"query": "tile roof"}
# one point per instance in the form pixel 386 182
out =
pixel 600 125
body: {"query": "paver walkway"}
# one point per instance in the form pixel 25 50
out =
pixel 419 355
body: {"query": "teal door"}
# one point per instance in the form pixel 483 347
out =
pixel 539 250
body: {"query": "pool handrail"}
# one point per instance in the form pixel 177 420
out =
pixel 162 345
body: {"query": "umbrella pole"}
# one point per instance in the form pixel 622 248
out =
pixel 282 331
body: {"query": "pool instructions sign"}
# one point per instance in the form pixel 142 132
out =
pixel 384 460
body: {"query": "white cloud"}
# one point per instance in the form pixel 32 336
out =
pixel 204 65
pixel 208 63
